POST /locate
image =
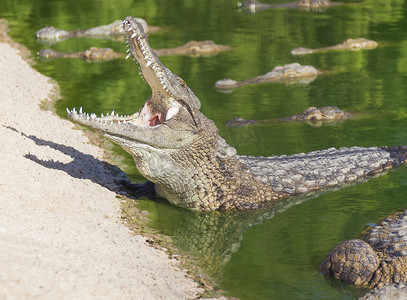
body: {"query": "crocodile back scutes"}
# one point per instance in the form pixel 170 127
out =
pixel 302 173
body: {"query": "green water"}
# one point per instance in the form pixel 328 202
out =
pixel 262 254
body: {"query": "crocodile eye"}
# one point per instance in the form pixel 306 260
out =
pixel 182 82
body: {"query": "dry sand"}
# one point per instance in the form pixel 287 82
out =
pixel 61 236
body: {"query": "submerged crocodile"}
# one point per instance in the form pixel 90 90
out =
pixel 179 149
pixel 253 6
pixel 312 115
pixel 192 48
pixel 348 44
pixel 92 54
pixel 51 33
pixel 291 73
pixel 376 261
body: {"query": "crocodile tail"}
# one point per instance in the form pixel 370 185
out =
pixel 398 155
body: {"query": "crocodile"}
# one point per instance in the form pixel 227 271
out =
pixel 376 261
pixel 53 34
pixel 317 5
pixel 92 54
pixel 312 115
pixel 176 147
pixel 291 73
pixel 192 48
pixel 348 44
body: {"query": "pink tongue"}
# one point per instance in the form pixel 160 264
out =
pixel 147 117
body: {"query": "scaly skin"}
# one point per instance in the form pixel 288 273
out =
pixel 312 115
pixel 291 73
pixel 193 48
pixel 349 44
pixel 178 149
pixel 253 6
pixel 378 260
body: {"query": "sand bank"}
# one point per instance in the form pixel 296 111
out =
pixel 61 236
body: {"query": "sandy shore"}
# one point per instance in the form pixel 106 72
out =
pixel 61 236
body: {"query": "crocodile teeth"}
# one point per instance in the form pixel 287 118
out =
pixel 80 110
pixel 128 55
pixel 148 63
pixel 130 28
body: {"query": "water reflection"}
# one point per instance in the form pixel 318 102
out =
pixel 213 237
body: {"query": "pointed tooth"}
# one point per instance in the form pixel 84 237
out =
pixel 101 115
pixel 148 63
pixel 112 113
pixel 128 55
pixel 68 111
pixel 133 35
pixel 128 50
pixel 130 28
pixel 80 110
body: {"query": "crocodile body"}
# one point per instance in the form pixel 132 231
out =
pixel 291 73
pixel 51 33
pixel 253 6
pixel 378 260
pixel 312 115
pixel 192 48
pixel 178 149
pixel 348 44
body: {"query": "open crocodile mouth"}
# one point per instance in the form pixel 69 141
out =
pixel 145 117
pixel 162 105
